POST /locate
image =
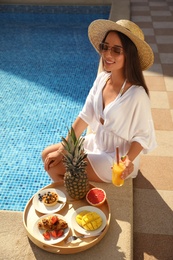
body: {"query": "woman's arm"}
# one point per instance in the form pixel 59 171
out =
pixel 54 157
pixel 133 152
pixel 79 126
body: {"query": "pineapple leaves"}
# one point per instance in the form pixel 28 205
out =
pixel 73 145
pixel 72 133
pixel 74 158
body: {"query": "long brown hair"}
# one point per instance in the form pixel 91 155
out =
pixel 133 71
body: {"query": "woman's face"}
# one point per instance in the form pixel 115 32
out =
pixel 113 58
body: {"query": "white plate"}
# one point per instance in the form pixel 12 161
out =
pixel 39 206
pixel 38 233
pixel 81 230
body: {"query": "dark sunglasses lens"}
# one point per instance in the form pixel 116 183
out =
pixel 116 50
pixel 103 47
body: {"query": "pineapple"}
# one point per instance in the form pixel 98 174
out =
pixel 75 178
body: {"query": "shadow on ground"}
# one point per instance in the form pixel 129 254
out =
pixel 153 222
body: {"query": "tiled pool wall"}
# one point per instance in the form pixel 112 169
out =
pixel 56 9
pixel 47 67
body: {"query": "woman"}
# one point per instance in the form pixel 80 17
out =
pixel 117 109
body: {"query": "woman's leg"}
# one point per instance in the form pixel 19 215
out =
pixel 92 176
pixel 49 149
pixel 57 172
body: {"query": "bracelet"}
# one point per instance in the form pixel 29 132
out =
pixel 123 158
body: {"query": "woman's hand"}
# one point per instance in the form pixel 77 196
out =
pixel 133 152
pixel 53 159
pixel 129 168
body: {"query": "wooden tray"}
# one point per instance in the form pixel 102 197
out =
pixel 30 216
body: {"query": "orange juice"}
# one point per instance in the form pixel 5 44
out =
pixel 117 170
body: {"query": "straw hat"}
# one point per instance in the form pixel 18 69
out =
pixel 98 29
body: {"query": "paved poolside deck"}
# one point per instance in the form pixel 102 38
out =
pixel 153 189
pixel 142 218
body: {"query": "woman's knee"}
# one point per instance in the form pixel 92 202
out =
pixel 49 149
pixel 45 152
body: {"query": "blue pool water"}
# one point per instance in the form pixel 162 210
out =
pixel 47 66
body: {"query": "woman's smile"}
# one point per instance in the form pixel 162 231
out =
pixel 109 62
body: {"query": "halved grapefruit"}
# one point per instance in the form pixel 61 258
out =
pixel 96 197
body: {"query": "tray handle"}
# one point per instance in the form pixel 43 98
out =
pixel 51 249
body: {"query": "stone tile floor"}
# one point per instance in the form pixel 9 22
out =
pixel 153 188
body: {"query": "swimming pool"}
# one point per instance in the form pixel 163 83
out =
pixel 47 66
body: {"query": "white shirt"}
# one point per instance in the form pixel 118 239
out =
pixel 126 119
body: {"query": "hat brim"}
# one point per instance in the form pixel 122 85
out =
pixel 98 29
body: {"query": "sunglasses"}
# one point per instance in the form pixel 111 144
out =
pixel 115 50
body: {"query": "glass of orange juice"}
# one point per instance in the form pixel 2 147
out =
pixel 117 170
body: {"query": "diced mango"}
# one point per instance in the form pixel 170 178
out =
pixel 80 216
pixel 91 221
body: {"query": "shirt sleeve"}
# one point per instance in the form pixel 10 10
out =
pixel 142 129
